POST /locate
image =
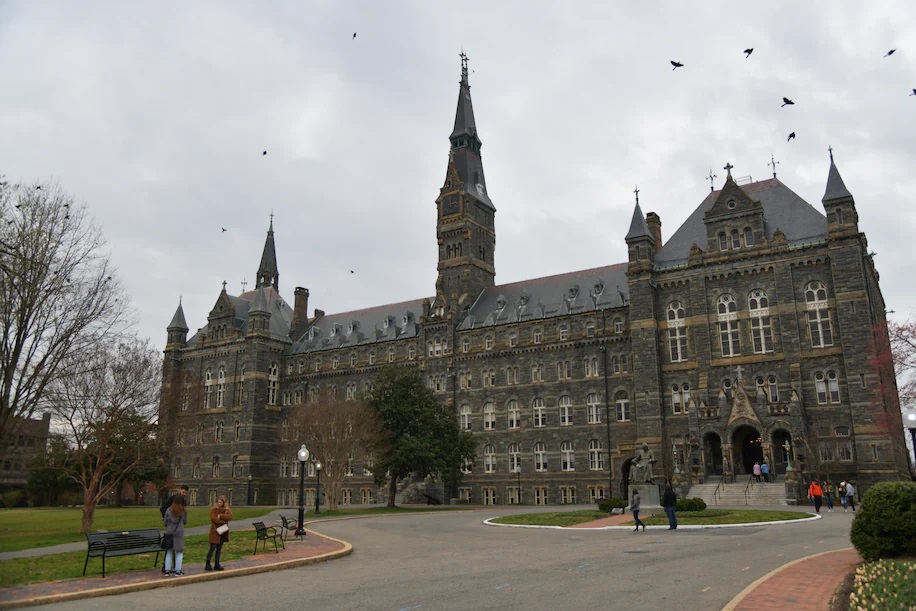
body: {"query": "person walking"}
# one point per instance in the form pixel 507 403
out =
pixel 851 495
pixel 176 516
pixel 220 514
pixel 828 495
pixel 669 502
pixel 757 471
pixel 841 492
pixel 182 492
pixel 634 507
pixel 765 472
pixel 816 493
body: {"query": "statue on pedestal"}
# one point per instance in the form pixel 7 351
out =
pixel 641 468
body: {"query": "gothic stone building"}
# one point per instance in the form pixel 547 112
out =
pixel 743 337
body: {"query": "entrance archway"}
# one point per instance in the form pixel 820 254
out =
pixel 780 437
pixel 712 454
pixel 748 446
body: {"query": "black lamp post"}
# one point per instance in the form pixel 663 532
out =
pixel 317 487
pixel 302 455
pixel 249 489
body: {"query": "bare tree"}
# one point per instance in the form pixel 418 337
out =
pixel 107 411
pixel 337 434
pixel 58 295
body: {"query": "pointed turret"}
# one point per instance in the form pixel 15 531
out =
pixel 836 188
pixel 178 328
pixel 259 313
pixel 641 242
pixel 839 203
pixel 267 271
pixel 638 227
pixel 464 155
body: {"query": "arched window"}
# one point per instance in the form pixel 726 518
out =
pixel 624 364
pixel 177 467
pixel 563 332
pixel 538 412
pixel 488 342
pixel 773 389
pixel 215 467
pixel 221 388
pixel 218 433
pixel 566 413
pixel 736 239
pixel 464 417
pixel 489 416
pixel 284 429
pixel 761 328
pixel 540 456
pixel 818 315
pixel 335 362
pixel 567 457
pixel 514 414
pixel 489 459
pixel 208 388
pixel 238 430
pixel 273 381
pixel 195 469
pixel 515 459
pixel 240 386
pixel 827 387
pixel 592 404
pixel 723 241
pixel 727 388
pixel 677 331
pixel 615 364
pixel 727 311
pixel 595 455
pixel 622 401
pixel 748 237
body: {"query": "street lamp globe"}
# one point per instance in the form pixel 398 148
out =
pixel 302 455
pixel 317 486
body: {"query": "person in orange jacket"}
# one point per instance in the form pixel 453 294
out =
pixel 816 493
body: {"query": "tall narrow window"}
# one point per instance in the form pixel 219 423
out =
pixel 567 456
pixel 566 415
pixel 538 412
pixel 677 331
pixel 818 315
pixel 515 458
pixel 677 401
pixel 833 387
pixel 273 378
pixel 622 402
pixel 489 459
pixel 208 388
pixel 514 417
pixel 595 456
pixel 736 239
pixel 240 386
pixel 761 328
pixel 820 386
pixel 748 237
pixel 238 430
pixel 723 241
pixel 540 456
pixel 218 433
pixel 464 417
pixel 221 388
pixel 489 416
pixel 728 325
pixel 772 389
pixel 593 407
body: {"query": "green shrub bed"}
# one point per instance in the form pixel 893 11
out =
pixel 885 584
pixel 885 525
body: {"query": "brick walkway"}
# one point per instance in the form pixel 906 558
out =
pixel 313 548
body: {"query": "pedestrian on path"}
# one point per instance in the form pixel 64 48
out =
pixel 765 471
pixel 220 514
pixel 669 502
pixel 175 518
pixel 828 495
pixel 757 471
pixel 841 493
pixel 634 507
pixel 851 495
pixel 183 491
pixel 816 493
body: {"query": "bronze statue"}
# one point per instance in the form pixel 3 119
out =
pixel 641 467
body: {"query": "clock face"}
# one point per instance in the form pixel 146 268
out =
pixel 450 205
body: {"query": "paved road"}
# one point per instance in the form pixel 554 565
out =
pixel 450 560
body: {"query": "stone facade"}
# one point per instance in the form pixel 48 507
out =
pixel 747 331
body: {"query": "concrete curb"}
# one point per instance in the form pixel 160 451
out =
pixel 680 527
pixel 178 581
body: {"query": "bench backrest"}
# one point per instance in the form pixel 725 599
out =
pixel 259 526
pixel 125 539
pixel 285 521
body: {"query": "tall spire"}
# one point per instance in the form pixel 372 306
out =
pixel 638 227
pixel 267 271
pixel 178 321
pixel 836 188
pixel 464 153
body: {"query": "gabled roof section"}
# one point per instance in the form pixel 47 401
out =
pixel 362 327
pixel 223 306
pixel 178 322
pixel 281 314
pixel 638 227
pixel 599 288
pixel 782 208
pixel 732 200
pixel 836 188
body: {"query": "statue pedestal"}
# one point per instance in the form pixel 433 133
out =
pixel 649 501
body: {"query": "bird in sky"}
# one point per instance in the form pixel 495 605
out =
pixel 676 65
pixel 787 102
pixel 791 136
pixel 747 52
pixel 914 92
pixel 354 36
pixel 891 52
pixel 38 187
pixel 352 272
pixel 224 229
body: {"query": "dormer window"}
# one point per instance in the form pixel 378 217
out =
pixel 333 331
pixel 573 291
pixel 385 323
pixel 501 302
pixel 599 287
pixel 523 298
pixel 404 321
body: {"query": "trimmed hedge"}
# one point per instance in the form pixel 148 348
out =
pixel 695 504
pixel 606 505
pixel 885 525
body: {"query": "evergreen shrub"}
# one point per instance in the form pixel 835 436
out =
pixel 885 525
pixel 695 504
pixel 606 505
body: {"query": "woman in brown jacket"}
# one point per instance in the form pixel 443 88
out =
pixel 220 514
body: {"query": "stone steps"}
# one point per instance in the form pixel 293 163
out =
pixel 758 495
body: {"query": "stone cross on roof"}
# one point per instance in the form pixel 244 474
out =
pixel 711 178
pixel 739 369
pixel 728 168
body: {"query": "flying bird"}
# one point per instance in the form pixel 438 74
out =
pixel 224 229
pixel 354 36
pixel 791 136
pixel 891 52
pixel 38 187
pixel 352 272
pixel 676 65
pixel 264 153
pixel 914 92
pixel 787 102
pixel 747 52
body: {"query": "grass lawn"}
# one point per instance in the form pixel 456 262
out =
pixel 707 517
pixel 27 528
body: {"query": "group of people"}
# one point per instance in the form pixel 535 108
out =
pixel 761 470
pixel 820 491
pixel 669 502
pixel 175 517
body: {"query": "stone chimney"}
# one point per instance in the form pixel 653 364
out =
pixel 654 223
pixel 300 312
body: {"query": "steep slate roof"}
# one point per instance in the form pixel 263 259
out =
pixel 268 274
pixel 361 327
pixel 468 163
pixel 836 188
pixel 281 314
pixel 638 227
pixel 782 208
pixel 559 295
pixel 178 321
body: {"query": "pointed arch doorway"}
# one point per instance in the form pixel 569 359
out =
pixel 748 444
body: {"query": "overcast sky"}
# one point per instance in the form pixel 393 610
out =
pixel 156 115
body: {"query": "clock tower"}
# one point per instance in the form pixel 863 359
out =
pixel 465 229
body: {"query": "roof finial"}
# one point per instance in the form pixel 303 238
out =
pixel 773 163
pixel 224 286
pixel 830 150
pixel 244 284
pixel 711 178
pixel 728 168
pixel 464 67
pixel 179 300
pixel 636 191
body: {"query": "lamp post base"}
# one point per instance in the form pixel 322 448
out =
pixel 300 532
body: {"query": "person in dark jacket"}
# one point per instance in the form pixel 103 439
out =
pixel 183 491
pixel 669 502
pixel 176 516
pixel 634 509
